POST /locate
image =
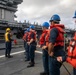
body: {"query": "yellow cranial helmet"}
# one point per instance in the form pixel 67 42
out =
pixel 8 29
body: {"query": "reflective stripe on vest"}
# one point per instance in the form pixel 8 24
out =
pixel 72 52
pixel 72 49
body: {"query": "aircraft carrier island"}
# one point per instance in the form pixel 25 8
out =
pixel 7 15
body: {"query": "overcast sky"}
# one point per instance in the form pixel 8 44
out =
pixel 42 10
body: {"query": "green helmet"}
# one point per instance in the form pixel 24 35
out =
pixel 65 35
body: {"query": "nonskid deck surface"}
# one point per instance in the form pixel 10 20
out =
pixel 17 65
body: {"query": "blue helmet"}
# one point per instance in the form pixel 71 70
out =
pixel 28 29
pixel 45 24
pixel 55 18
pixel 74 15
pixel 32 27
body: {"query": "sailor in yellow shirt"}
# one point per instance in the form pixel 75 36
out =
pixel 8 42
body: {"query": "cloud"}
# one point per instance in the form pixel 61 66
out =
pixel 42 10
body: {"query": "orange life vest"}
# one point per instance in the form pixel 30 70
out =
pixel 42 40
pixel 25 36
pixel 47 37
pixel 29 35
pixel 60 38
pixel 72 52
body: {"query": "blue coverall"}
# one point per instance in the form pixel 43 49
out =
pixel 54 65
pixel 32 49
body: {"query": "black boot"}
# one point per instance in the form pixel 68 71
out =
pixel 10 56
pixel 31 62
pixel 30 65
pixel 6 55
